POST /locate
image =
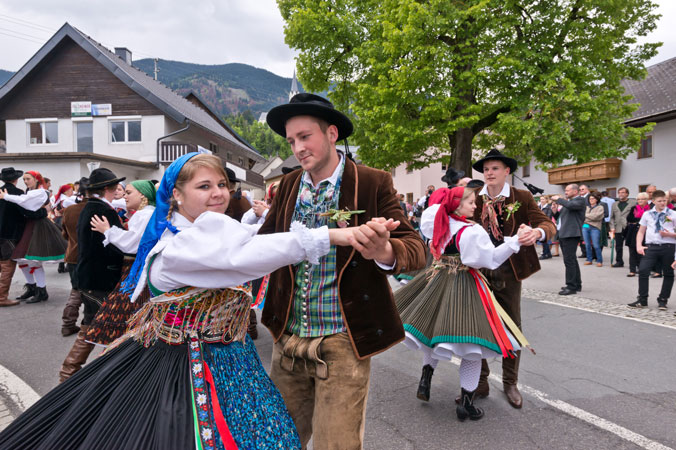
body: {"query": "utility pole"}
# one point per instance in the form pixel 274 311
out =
pixel 156 70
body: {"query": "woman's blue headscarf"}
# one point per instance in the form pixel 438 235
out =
pixel 158 222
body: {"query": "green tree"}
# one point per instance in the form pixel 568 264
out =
pixel 259 135
pixel 427 79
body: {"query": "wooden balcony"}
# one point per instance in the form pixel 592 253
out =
pixel 172 150
pixel 596 170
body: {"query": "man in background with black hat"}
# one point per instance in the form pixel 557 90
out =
pixel 239 204
pixel 98 267
pixel 501 210
pixel 329 319
pixel 12 223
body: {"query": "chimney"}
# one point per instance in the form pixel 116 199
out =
pixel 124 53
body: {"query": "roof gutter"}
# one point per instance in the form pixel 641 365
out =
pixel 157 159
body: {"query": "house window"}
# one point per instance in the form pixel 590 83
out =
pixel 84 136
pixel 241 162
pixel 525 170
pixel 393 171
pixel 444 167
pixel 43 132
pixel 643 187
pixel 646 150
pixel 612 192
pixel 409 198
pixel 229 156
pixel 408 169
pixel 213 147
pixel 125 131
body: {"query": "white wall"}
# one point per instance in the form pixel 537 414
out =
pixel 658 170
pixel 152 127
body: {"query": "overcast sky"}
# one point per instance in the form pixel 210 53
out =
pixel 205 31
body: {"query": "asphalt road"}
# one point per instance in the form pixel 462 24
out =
pixel 597 381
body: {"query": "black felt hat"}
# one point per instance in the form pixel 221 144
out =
pixel 100 178
pixel 232 177
pixel 288 170
pixel 452 176
pixel 305 104
pixel 494 154
pixel 10 174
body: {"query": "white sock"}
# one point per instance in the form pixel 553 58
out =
pixel 428 360
pixel 30 279
pixel 39 274
pixel 470 371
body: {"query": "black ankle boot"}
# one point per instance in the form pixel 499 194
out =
pixel 40 295
pixel 425 383
pixel 28 291
pixel 641 302
pixel 466 408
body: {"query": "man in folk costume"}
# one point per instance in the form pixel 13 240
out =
pixel 12 223
pixel 501 210
pixel 329 319
pixel 98 267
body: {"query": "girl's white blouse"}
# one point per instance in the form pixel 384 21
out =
pixel 216 251
pixel 31 200
pixel 127 240
pixel 475 245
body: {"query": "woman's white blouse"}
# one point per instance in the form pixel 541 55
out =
pixel 216 251
pixel 31 200
pixel 475 245
pixel 127 240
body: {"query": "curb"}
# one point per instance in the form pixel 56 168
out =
pixel 15 396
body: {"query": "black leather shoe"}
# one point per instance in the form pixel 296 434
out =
pixel 466 408
pixel 639 303
pixel 425 383
pixel 40 295
pixel 617 265
pixel 28 291
pixel 566 291
pixel 545 257
pixel 576 289
pixel 661 304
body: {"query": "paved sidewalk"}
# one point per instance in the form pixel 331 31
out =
pixel 599 283
pixel 6 415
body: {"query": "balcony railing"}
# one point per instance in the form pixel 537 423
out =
pixel 596 170
pixel 172 150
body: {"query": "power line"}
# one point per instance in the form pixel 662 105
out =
pixel 35 27
pixel 22 38
pixel 26 23
pixel 20 33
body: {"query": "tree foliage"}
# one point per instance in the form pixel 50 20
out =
pixel 259 135
pixel 427 79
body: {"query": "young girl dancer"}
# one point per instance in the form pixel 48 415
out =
pixel 449 310
pixel 41 240
pixel 186 376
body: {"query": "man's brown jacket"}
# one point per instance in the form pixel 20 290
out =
pixel 366 301
pixel 524 263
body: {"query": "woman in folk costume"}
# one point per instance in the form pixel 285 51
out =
pixel 186 375
pixel 449 309
pixel 41 240
pixel 111 321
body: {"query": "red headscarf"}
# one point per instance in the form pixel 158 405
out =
pixel 38 177
pixel 62 189
pixel 450 201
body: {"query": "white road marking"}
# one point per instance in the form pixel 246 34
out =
pixel 19 392
pixel 583 415
pixel 636 319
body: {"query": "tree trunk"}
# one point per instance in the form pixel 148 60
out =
pixel 461 154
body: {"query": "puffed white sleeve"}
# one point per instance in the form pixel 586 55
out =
pixel 31 200
pixel 128 240
pixel 250 217
pixel 477 250
pixel 427 221
pixel 218 252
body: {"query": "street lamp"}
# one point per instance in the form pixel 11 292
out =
pixel 93 165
